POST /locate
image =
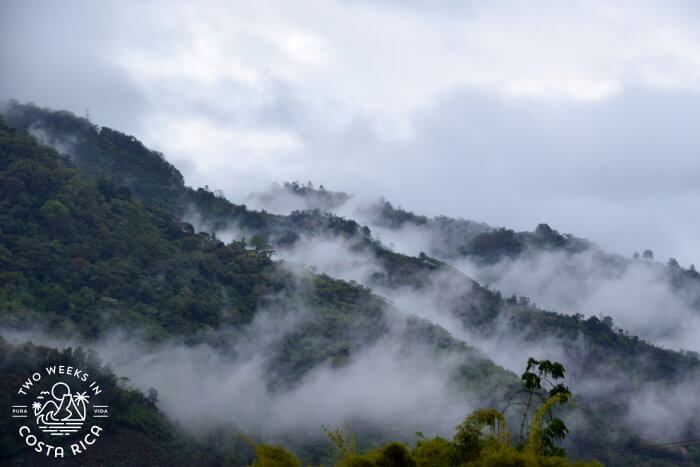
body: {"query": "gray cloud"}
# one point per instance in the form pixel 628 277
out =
pixel 241 96
pixel 55 55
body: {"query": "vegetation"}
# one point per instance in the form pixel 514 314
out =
pixel 87 253
pixel 482 439
pixel 103 152
pixel 453 238
pixel 98 241
pixel 469 447
pixel 311 197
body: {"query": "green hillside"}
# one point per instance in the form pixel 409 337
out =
pixel 85 255
pixel 95 241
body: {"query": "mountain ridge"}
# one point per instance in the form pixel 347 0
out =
pixel 479 309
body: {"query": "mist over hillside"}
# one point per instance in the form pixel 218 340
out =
pixel 557 271
pixel 319 309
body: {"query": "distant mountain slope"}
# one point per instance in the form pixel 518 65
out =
pixel 445 237
pixel 559 271
pixel 452 238
pixel 485 310
pixel 295 196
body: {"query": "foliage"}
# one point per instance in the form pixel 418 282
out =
pixel 314 198
pixel 468 448
pixel 541 440
pixel 343 443
pixel 452 238
pixel 436 452
pixel 261 245
pixel 386 215
pixel 482 439
pixel 274 456
pixel 468 438
pixel 537 373
pixel 130 168
pixel 86 253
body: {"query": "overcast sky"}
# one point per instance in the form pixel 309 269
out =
pixel 583 115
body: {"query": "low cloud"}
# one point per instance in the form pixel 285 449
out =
pixel 638 295
pixel 387 384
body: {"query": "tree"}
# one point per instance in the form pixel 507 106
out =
pixel 57 299
pixel 261 245
pixel 537 373
pixel 344 444
pixel 267 455
pixel 481 439
pixel 152 395
pixel 648 254
pixel 55 213
pixel 541 440
pixel 607 321
pixel 468 438
pixel 436 452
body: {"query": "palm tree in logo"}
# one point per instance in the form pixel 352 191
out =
pixel 80 401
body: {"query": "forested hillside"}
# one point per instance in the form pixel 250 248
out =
pixel 103 152
pixel 81 254
pixel 97 239
pixel 558 271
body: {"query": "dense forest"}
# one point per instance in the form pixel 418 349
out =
pixel 97 234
